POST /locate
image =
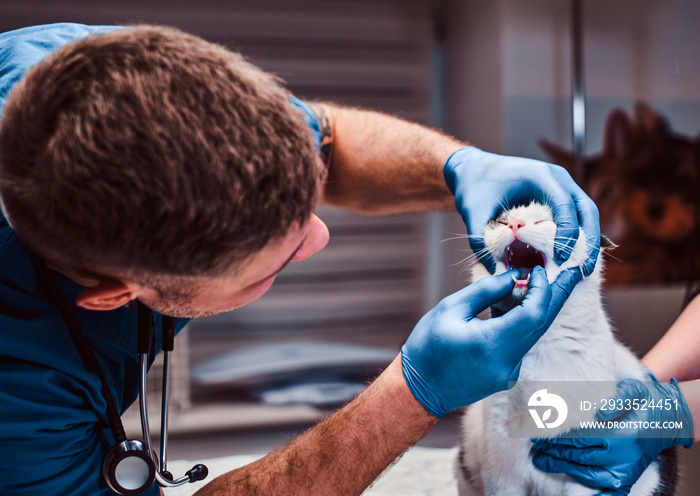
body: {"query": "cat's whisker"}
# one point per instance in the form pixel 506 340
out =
pixel 467 261
pixel 459 236
pixel 557 241
pixel 462 271
pixel 608 254
pixel 501 203
pixel 464 261
pixel 464 236
pixel 548 198
pixel 590 245
pixel 455 237
pixel 470 260
pixel 570 249
pixel 565 248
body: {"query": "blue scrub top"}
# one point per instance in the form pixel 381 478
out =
pixel 53 422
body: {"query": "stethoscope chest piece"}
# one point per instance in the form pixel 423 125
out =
pixel 127 469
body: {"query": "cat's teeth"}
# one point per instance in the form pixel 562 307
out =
pixel 514 279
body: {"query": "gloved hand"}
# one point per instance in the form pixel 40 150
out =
pixel 483 183
pixel 614 463
pixel 452 358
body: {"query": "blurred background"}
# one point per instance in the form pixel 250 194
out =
pixel 496 73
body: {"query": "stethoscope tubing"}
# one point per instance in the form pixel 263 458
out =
pixel 124 445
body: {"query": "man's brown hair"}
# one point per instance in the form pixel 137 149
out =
pixel 148 150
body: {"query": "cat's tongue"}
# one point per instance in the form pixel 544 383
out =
pixel 523 257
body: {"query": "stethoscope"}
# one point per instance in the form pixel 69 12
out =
pixel 130 466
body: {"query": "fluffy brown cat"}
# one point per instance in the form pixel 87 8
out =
pixel 645 183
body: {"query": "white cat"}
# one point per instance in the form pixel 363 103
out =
pixel 579 346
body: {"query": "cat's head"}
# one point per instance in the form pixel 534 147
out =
pixel 524 237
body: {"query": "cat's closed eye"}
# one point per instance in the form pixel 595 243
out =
pixel 501 219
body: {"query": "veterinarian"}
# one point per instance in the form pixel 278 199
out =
pixel 147 165
pixel 611 460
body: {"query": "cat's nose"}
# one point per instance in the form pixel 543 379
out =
pixel 515 225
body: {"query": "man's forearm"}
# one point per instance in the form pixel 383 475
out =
pixel 344 453
pixel 383 165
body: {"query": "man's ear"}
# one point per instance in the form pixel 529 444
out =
pixel 108 294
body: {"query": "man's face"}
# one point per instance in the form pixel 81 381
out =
pixel 215 295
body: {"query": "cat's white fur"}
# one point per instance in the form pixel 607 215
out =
pixel 579 346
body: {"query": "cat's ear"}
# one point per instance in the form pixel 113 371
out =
pixel 606 244
pixel 618 135
pixel 558 154
pixel 648 122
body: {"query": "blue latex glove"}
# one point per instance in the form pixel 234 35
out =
pixel 615 462
pixel 483 183
pixel 453 358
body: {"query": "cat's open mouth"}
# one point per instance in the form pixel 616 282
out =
pixel 523 257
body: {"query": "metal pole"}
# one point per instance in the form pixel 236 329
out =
pixel 579 97
pixel 436 222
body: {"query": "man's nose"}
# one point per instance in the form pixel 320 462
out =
pixel 316 239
